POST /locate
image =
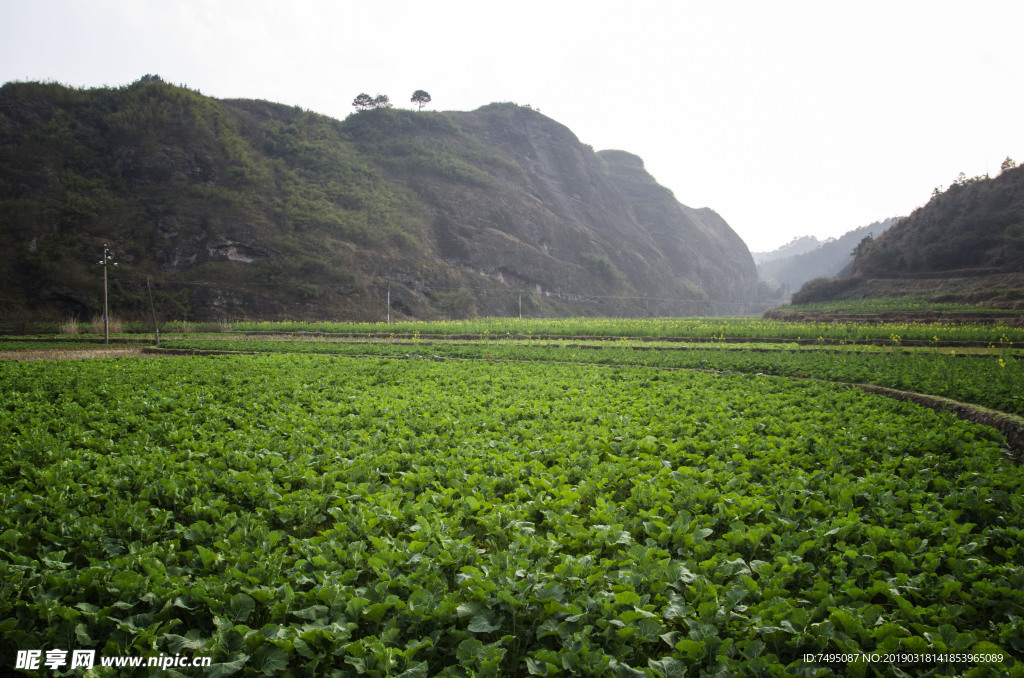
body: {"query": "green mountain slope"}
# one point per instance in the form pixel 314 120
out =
pixel 975 224
pixel 238 208
pixel 966 245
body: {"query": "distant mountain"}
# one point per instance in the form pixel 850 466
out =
pixel 798 245
pixel 791 266
pixel 239 208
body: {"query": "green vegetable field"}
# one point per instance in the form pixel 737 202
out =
pixel 481 510
pixel 987 379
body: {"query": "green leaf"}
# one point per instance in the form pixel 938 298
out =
pixel 355 606
pixel 312 613
pixel 226 668
pixel 627 598
pixel 694 649
pixel 240 607
pixel 415 670
pixel 621 669
pixel 303 648
pixel 185 603
pixel 10 538
pixel 208 557
pixel 551 592
pixel 82 636
pixel 232 641
pixel 539 667
pixel 483 623
pixel 668 667
pixel 471 609
pixel 649 629
pixel 65 635
pixel 648 445
pixel 753 649
pixel 269 659
pixel 190 642
pixel 468 649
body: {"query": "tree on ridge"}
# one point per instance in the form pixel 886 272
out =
pixel 420 98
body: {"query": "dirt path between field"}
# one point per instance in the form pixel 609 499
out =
pixel 75 353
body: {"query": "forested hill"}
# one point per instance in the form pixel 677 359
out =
pixel 239 208
pixel 966 245
pixel 976 226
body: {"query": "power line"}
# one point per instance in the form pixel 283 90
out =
pixel 560 294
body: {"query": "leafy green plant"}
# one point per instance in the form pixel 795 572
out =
pixel 731 329
pixel 300 513
pixel 990 379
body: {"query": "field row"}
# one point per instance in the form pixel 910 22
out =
pixel 995 381
pixel 294 514
pixel 692 328
pixel 919 303
pixel 711 329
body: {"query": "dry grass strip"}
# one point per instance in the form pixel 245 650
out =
pixel 73 353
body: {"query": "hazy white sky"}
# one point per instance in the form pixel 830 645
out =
pixel 788 118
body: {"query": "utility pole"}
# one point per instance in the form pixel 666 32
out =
pixel 389 302
pixel 520 305
pixel 156 328
pixel 107 260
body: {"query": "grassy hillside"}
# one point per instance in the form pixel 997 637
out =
pixel 207 198
pixel 252 209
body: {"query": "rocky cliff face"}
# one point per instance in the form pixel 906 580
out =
pixel 699 245
pixel 252 209
pixel 593 209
